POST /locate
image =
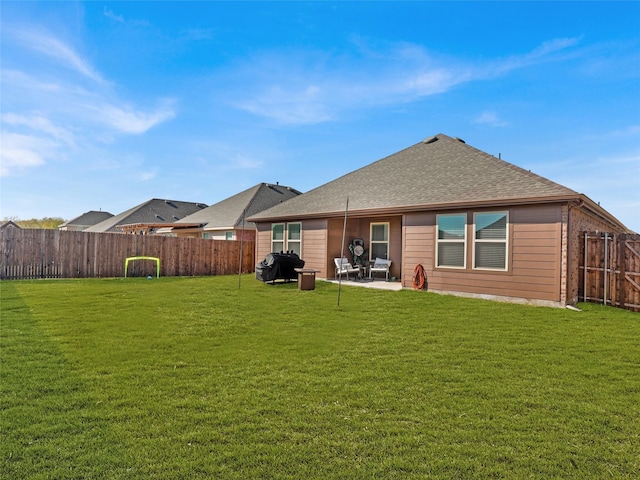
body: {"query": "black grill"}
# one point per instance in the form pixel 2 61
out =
pixel 279 266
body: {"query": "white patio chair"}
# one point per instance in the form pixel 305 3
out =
pixel 381 265
pixel 343 266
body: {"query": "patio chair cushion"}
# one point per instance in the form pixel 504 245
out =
pixel 381 263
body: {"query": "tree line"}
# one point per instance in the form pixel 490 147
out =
pixel 45 222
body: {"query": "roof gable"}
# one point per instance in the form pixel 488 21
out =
pixel 228 213
pixel 9 224
pixel 155 211
pixel 436 172
pixel 92 217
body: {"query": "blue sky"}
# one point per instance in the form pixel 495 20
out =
pixel 105 105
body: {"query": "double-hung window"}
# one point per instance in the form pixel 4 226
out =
pixel 379 241
pixel 452 240
pixel 277 237
pixel 294 238
pixel 490 240
pixel 286 237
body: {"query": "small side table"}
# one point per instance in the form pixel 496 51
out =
pixel 306 278
pixel 362 274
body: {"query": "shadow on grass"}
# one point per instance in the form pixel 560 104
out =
pixel 51 424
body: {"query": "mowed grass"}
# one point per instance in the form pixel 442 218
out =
pixel 196 378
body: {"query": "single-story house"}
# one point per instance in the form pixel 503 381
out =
pixel 147 217
pixel 86 220
pixel 478 226
pixel 226 220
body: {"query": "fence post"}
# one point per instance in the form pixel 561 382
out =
pixel 622 271
pixel 606 266
pixel 584 286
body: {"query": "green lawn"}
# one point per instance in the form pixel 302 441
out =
pixel 195 378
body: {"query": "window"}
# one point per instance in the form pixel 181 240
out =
pixel 277 237
pixel 451 242
pixel 294 237
pixel 379 241
pixel 229 236
pixel 286 237
pixel 490 241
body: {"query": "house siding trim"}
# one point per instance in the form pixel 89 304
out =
pixel 534 236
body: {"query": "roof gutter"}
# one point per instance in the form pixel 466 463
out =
pixel 421 207
pixel 578 200
pixel 601 213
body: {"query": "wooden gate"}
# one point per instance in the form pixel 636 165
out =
pixel 610 267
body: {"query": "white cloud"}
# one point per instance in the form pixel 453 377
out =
pixel 48 112
pixel 40 124
pixel 56 49
pixel 632 130
pixel 109 14
pixel 230 156
pixel 491 119
pixel 553 46
pixel 303 105
pixel 197 34
pixel 146 175
pixel 18 79
pixel 127 119
pixel 314 87
pixel 20 152
pixel 543 53
pixel 244 162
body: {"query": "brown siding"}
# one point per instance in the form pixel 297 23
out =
pixel 534 256
pixel 322 241
pixel 263 241
pixel 419 245
pixel 360 227
pixel 314 246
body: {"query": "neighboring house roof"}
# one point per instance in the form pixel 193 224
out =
pixel 9 223
pixel 88 219
pixel 229 212
pixel 154 211
pixel 439 172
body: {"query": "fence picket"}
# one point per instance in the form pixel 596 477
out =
pixel 38 253
pixel 610 266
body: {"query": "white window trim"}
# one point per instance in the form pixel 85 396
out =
pixel 505 241
pixel 371 241
pixel 284 237
pixel 298 242
pixel 286 240
pixel 448 240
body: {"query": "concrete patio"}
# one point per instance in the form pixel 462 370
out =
pixel 366 283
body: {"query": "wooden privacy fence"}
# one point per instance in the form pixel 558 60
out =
pixel 31 253
pixel 610 269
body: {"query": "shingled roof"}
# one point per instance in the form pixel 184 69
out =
pixel 155 211
pixel 228 212
pixel 88 219
pixel 439 172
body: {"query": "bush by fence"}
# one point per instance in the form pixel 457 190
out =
pixel 39 253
